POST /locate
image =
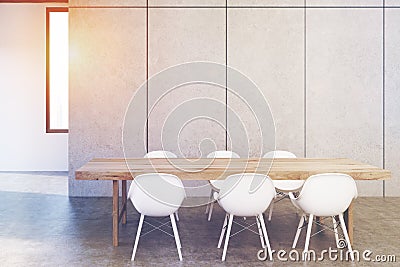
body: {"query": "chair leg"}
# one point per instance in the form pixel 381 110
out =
pixel 336 231
pixel 228 233
pixel 210 199
pixel 270 211
pixel 207 208
pixel 211 210
pixel 310 222
pixel 296 237
pixel 176 235
pixel 139 229
pixel 346 236
pixel 260 233
pixel 223 230
pixel 262 222
pixel 177 216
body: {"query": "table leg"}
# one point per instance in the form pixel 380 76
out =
pixel 115 212
pixel 348 217
pixel 124 203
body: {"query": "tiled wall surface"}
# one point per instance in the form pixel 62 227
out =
pixel 330 71
pixel 344 107
pixel 177 36
pixel 267 45
pixel 107 65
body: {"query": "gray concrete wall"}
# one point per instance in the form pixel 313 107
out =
pixel 330 71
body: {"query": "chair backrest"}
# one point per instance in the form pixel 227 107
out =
pixel 327 194
pixel 279 154
pixel 246 194
pixel 156 194
pixel 160 154
pixel 223 154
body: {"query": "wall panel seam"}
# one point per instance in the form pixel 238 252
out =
pixel 383 98
pixel 305 76
pixel 226 74
pixel 147 76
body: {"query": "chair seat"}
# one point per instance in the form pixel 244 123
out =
pixel 288 185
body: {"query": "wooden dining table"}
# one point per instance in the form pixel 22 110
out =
pixel 119 169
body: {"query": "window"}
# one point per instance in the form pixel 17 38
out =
pixel 57 70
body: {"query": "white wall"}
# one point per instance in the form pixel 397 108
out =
pixel 24 144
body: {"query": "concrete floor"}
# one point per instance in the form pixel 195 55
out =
pixel 32 182
pixel 38 229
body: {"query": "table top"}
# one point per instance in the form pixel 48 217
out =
pixel 209 169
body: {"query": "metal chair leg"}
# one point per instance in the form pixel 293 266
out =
pixel 176 235
pixel 210 199
pixel 137 237
pixel 310 222
pixel 336 231
pixel 260 232
pixel 228 233
pixel 346 236
pixel 262 222
pixel 270 211
pixel 211 210
pixel 223 230
pixel 296 238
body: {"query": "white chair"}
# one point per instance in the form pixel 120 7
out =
pixel 325 195
pixel 216 184
pixel 283 186
pixel 245 195
pixel 161 154
pixel 157 195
